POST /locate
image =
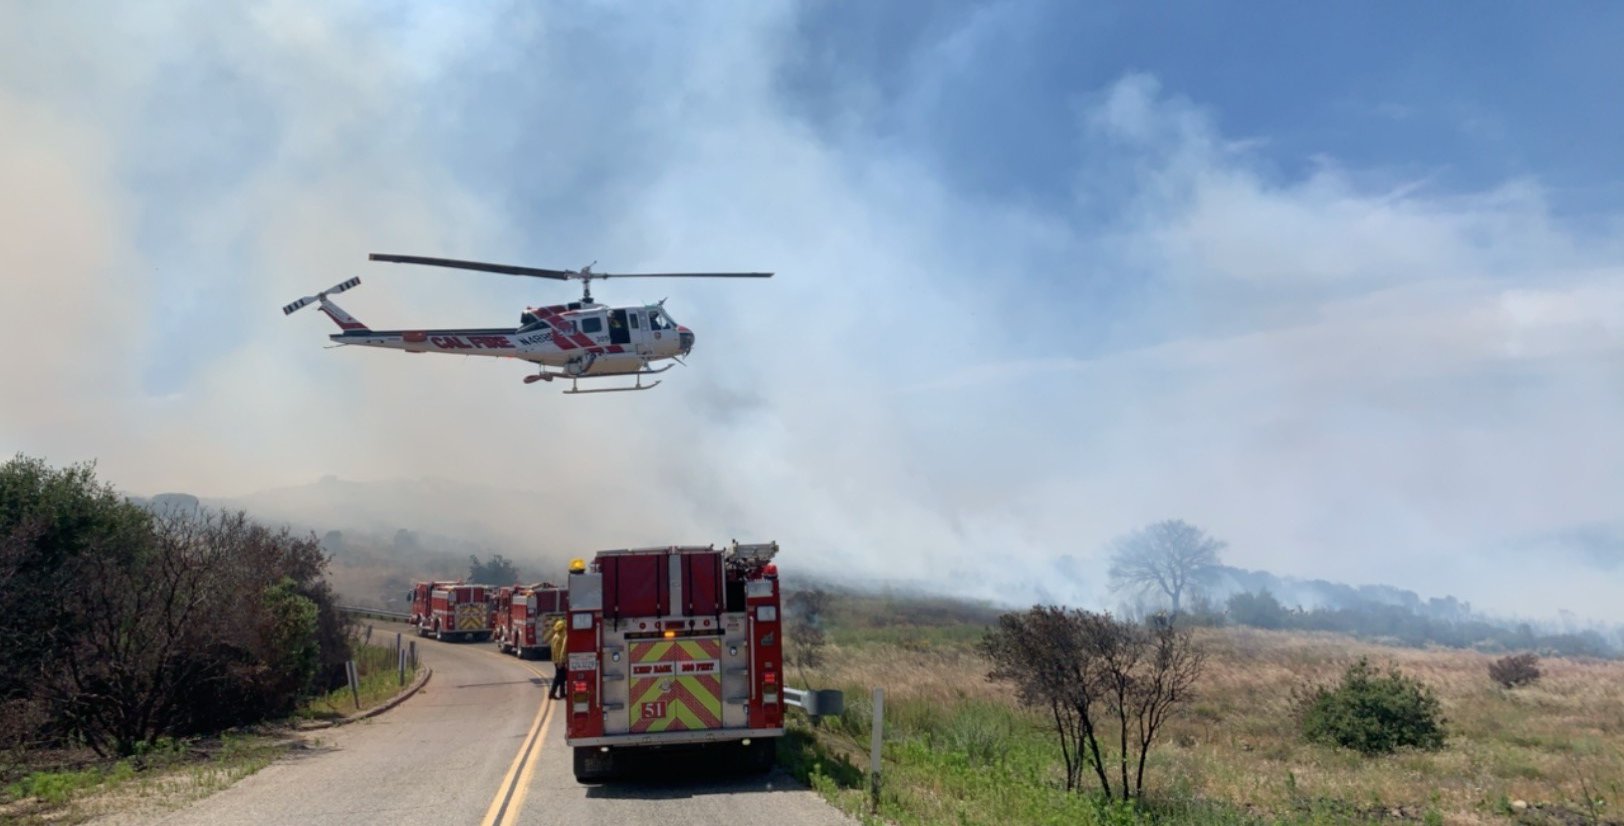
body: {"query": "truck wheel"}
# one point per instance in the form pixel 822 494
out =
pixel 519 651
pixel 439 634
pixel 593 766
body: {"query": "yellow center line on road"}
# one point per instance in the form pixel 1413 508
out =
pixel 529 771
pixel 502 808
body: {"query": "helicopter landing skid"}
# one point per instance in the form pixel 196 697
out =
pixel 576 391
pixel 575 381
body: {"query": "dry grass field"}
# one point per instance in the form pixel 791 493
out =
pixel 1235 754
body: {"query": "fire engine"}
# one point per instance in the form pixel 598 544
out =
pixel 675 647
pixel 450 610
pixel 524 613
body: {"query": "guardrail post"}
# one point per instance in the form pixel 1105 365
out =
pixel 400 660
pixel 874 749
pixel 413 644
pixel 355 681
pixel 368 639
pixel 830 702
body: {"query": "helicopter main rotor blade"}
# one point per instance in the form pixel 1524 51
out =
pixel 557 275
pixel 504 269
pixel 597 275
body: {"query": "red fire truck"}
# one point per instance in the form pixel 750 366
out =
pixel 450 610
pixel 675 647
pixel 523 615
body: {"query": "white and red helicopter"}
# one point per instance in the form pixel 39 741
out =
pixel 578 340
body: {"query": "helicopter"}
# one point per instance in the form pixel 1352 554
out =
pixel 575 341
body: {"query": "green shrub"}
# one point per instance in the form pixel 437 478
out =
pixel 290 636
pixel 981 732
pixel 54 787
pixel 1373 712
pixel 1259 610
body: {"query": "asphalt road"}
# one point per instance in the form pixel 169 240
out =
pixel 691 789
pixel 479 745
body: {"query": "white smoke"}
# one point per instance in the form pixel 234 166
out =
pixel 1368 385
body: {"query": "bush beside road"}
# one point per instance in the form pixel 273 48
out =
pixel 379 672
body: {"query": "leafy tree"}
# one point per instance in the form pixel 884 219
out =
pixel 1171 557
pixel 1373 712
pixel 52 523
pixel 498 571
pixel 1259 610
pixel 290 636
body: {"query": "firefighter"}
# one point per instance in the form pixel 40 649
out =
pixel 557 638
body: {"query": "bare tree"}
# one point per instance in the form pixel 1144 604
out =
pixel 1094 673
pixel 205 624
pixel 1042 652
pixel 138 623
pixel 145 615
pixel 1171 556
pixel 1172 665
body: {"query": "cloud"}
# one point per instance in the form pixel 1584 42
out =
pixel 1370 382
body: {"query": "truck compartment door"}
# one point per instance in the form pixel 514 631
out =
pixel 675 685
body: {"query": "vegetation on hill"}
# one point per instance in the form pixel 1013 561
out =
pixel 1401 624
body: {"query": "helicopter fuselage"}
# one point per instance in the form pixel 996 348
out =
pixel 579 340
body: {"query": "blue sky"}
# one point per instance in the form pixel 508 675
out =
pixel 1340 283
pixel 1463 98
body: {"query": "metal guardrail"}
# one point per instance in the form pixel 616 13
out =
pixel 355 611
pixel 817 703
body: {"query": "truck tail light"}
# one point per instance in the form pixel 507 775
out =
pixel 769 677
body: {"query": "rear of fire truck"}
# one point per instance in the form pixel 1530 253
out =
pixel 459 611
pixel 527 615
pixel 673 648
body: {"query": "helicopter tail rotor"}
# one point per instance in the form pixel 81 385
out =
pixel 345 321
pixel 311 299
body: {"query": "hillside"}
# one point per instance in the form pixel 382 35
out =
pixel 961 749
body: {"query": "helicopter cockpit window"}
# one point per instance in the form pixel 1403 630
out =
pixel 592 325
pixel 657 321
